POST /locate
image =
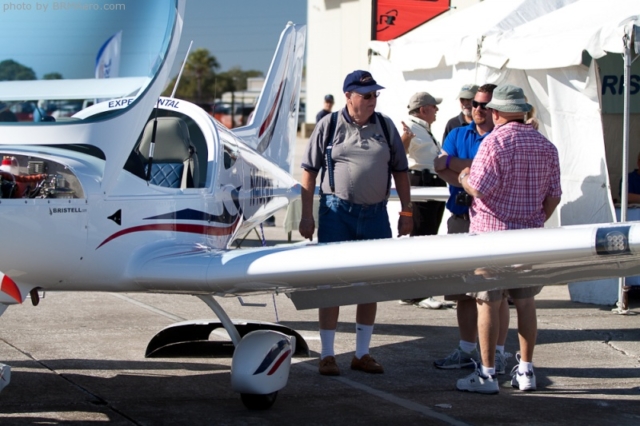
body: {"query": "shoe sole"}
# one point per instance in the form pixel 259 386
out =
pixel 517 386
pixel 477 391
pixel 429 306
pixel 454 367
pixel 530 389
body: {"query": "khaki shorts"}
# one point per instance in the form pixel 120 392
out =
pixel 515 293
pixel 457 225
pixel 457 297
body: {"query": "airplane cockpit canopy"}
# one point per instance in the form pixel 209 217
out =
pixel 59 57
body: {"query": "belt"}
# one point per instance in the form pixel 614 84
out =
pixel 463 216
pixel 421 172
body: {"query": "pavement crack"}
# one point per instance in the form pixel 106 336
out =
pixel 610 342
pixel 93 398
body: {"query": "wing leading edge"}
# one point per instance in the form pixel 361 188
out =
pixel 323 275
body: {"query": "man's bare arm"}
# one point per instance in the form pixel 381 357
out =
pixel 449 172
pixel 403 187
pixel 307 224
pixel 549 205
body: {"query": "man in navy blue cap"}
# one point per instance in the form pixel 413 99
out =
pixel 326 109
pixel 355 151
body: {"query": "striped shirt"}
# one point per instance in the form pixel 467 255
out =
pixel 515 169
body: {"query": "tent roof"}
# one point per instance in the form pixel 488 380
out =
pixel 558 39
pixel 455 37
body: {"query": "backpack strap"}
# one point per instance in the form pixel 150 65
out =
pixel 328 143
pixel 328 148
pixel 385 130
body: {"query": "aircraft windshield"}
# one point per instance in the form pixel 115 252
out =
pixel 59 57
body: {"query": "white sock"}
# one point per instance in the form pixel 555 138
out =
pixel 488 371
pixel 363 339
pixel 468 347
pixel 327 337
pixel 523 367
pixel 500 349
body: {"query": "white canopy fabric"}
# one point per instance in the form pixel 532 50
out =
pixel 454 38
pixel 557 39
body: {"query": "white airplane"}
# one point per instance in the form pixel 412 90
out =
pixel 147 193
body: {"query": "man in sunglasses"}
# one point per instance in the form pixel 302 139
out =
pixel 466 95
pixel 458 151
pixel 356 151
pixel 515 182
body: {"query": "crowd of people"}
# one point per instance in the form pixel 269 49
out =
pixel 501 173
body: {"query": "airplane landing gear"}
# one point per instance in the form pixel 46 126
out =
pixel 258 402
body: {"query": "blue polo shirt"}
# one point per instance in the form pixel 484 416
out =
pixel 462 142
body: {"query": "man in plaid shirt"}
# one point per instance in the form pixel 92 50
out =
pixel 515 182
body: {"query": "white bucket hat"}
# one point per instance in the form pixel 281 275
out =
pixel 509 98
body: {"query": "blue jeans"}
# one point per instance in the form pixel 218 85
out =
pixel 340 220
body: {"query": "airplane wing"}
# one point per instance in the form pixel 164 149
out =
pixel 88 88
pixel 323 275
pixel 425 193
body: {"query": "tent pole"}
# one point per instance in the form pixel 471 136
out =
pixel 623 290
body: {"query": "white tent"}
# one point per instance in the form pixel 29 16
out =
pixel 454 37
pixel 543 54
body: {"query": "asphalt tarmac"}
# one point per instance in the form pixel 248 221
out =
pixel 78 358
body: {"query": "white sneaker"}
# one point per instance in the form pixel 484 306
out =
pixel 458 359
pixel 501 362
pixel 5 375
pixel 430 303
pixel 524 382
pixel 479 383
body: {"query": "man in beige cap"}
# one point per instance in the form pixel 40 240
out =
pixel 422 148
pixel 466 95
pixel 515 182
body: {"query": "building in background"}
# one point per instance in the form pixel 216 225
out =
pixel 339 32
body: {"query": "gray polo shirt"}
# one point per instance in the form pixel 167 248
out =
pixel 360 156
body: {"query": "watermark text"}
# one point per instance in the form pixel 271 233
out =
pixel 59 6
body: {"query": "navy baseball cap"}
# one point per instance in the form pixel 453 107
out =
pixel 328 98
pixel 360 82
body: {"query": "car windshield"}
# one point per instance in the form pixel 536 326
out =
pixel 59 57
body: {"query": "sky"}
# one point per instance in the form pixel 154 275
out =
pixel 49 38
pixel 240 33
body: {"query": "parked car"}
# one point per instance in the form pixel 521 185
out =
pixel 222 113
pixel 23 110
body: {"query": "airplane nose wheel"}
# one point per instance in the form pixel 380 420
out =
pixel 258 402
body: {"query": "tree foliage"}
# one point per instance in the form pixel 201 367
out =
pixel 52 76
pixel 12 70
pixel 200 81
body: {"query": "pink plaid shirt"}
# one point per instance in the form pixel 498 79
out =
pixel 515 169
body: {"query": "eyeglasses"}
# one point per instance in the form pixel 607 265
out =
pixel 369 95
pixel 482 105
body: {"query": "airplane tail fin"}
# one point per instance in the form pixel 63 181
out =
pixel 272 129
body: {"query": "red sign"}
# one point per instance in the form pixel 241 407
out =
pixel 394 18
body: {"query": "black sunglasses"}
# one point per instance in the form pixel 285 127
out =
pixel 482 105
pixel 369 95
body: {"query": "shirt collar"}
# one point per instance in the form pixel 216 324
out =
pixel 419 122
pixel 347 117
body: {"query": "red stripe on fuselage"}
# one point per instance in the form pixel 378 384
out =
pixel 175 227
pixel 9 287
pixel 279 362
pixel 272 112
pixel 274 105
